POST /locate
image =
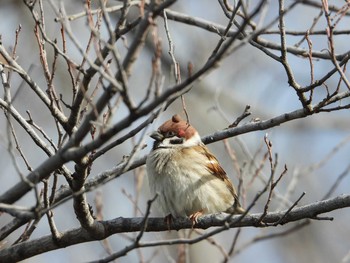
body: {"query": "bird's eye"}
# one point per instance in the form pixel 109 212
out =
pixel 170 134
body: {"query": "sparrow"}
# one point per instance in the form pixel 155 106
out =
pixel 186 176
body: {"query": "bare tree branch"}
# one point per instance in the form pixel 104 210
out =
pixel 118 225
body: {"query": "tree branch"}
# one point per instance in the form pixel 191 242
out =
pixel 121 225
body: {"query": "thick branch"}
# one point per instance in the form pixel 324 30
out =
pixel 121 225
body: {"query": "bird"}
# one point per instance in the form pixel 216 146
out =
pixel 186 176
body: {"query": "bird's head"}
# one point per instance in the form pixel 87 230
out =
pixel 175 132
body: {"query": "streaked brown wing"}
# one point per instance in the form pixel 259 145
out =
pixel 215 168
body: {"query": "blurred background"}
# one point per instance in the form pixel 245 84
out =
pixel 315 149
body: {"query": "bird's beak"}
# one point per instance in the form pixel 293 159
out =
pixel 156 135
